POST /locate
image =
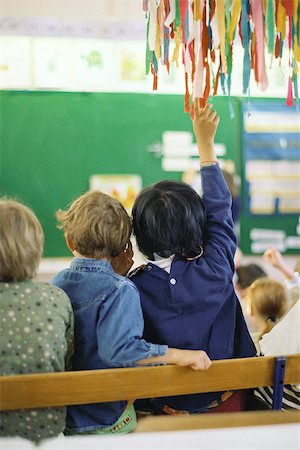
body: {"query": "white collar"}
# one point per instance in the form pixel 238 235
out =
pixel 163 263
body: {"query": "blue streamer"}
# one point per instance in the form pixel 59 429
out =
pixel 222 80
pixel 154 62
pixel 281 46
pixel 246 39
pixel 186 25
pixel 231 111
pixel 166 43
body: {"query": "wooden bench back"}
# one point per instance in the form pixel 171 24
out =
pixel 93 386
pixel 220 420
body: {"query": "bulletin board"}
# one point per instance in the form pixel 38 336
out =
pixel 271 177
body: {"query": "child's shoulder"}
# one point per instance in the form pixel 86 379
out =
pixel 137 271
pixel 50 290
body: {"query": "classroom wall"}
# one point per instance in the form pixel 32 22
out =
pixel 52 142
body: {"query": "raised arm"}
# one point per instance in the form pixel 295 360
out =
pixel 274 257
pixel 216 194
pixel 205 125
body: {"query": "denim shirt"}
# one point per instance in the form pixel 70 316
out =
pixel 108 331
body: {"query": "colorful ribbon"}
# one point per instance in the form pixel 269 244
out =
pixel 204 33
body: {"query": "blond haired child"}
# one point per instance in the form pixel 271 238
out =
pixel 36 324
pixel 267 303
pixel 108 316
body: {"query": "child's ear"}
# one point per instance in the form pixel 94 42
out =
pixel 69 242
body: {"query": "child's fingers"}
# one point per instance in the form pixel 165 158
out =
pixel 197 107
pixel 206 110
pixel 202 362
pixel 212 114
pixel 216 120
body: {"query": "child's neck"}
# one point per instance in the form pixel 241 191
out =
pixel 79 255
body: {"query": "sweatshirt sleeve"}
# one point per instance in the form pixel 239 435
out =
pixel 120 328
pixel 217 197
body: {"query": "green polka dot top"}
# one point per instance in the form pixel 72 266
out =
pixel 36 329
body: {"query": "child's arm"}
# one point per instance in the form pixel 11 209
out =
pixel 205 125
pixel 119 334
pixel 220 240
pixel 274 257
pixel 196 359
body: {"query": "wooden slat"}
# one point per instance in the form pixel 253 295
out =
pixel 220 420
pixel 71 388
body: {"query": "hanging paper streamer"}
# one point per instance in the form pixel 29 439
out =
pixel 204 33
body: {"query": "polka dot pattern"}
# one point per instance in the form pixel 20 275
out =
pixel 36 329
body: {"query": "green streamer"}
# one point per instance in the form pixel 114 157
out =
pixel 271 26
pixel 177 15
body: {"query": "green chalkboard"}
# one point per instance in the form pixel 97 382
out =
pixel 51 142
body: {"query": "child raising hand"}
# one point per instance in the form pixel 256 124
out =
pixel 186 288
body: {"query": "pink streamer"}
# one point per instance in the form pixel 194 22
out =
pixel 145 5
pixel 198 80
pixel 257 13
pixel 290 98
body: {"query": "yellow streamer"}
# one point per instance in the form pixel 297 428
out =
pixel 234 19
pixel 177 40
pixel 157 36
pixel 281 20
pixel 197 10
pixel 295 15
pixel 296 50
pixel 221 27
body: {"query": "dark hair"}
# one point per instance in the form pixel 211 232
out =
pixel 248 273
pixel 169 218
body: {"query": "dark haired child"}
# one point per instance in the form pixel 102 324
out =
pixel 245 275
pixel 108 316
pixel 186 289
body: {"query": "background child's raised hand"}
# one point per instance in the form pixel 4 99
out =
pixel 205 125
pixel 275 258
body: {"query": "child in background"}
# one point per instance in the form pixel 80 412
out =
pixel 245 275
pixel 267 303
pixel 108 317
pixel 36 324
pixel 292 277
pixel 186 288
pixel 283 339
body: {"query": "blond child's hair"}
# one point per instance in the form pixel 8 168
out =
pixel 268 299
pixel 97 225
pixel 21 241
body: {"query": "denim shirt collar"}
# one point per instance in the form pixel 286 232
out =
pixel 90 263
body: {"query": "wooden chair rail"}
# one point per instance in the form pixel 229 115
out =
pixel 220 420
pixel 93 386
